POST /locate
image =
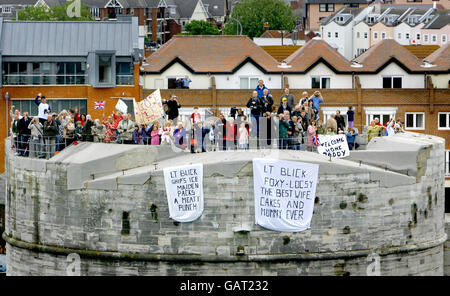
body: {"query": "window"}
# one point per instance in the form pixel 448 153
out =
pixel 365 35
pixel 330 7
pixel 383 35
pixel 358 35
pixel 444 120
pixel 399 36
pixel 444 39
pixel 447 163
pixel 434 38
pixel 384 114
pixel 69 73
pixel 360 51
pixel 392 82
pixel 124 73
pixel 6 9
pixel 336 34
pixel 171 81
pixel 328 111
pixel 329 34
pixel 415 121
pixel 425 38
pixel 375 35
pixel 320 82
pixel 322 7
pixel 406 36
pixel 57 105
pixel 104 69
pixel 418 36
pixel 14 73
pixel 248 82
pixel 95 12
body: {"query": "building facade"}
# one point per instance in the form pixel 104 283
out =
pixel 76 65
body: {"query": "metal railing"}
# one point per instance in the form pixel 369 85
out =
pixel 47 146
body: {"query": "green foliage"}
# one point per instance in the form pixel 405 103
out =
pixel 201 28
pixel 252 14
pixel 54 13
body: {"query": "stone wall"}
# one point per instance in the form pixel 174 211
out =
pixel 359 210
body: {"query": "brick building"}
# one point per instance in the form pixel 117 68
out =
pixel 318 10
pixel 71 63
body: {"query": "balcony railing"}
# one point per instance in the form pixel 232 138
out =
pixel 44 79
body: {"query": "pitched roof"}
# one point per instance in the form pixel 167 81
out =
pixel 67 38
pixel 280 52
pixel 213 54
pixel 440 20
pixel 440 58
pixel 314 51
pixel 336 1
pixel 376 57
pixel 275 34
pixel 421 51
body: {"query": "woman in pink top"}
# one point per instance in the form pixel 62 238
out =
pixel 311 134
pixel 155 133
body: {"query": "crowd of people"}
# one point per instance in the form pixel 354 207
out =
pixel 290 126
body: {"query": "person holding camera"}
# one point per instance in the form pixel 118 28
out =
pixel 172 108
pixel 125 129
pixel 255 106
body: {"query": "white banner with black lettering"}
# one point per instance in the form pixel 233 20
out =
pixel 284 194
pixel 184 187
pixel 335 146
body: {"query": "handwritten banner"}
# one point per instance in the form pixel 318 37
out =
pixel 184 187
pixel 284 194
pixel 335 146
pixel 149 109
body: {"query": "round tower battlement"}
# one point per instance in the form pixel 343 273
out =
pixel 107 203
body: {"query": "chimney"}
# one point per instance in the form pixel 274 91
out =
pixel 377 7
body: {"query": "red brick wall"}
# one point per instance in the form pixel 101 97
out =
pixel 109 95
pixel 406 100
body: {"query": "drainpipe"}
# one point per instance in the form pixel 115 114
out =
pixel 7 114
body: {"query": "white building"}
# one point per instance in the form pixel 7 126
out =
pixel 338 31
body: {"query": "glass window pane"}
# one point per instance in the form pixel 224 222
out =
pixel 325 82
pixel 419 120
pixel 443 120
pixel 385 118
pixel 315 82
pixel 104 70
pixel 387 82
pixel 253 83
pixel 410 120
pixel 244 83
pixel 397 82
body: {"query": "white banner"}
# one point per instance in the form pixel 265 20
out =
pixel 284 194
pixel 184 187
pixel 335 146
pixel 121 106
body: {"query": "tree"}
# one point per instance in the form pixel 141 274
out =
pixel 252 14
pixel 201 28
pixel 54 13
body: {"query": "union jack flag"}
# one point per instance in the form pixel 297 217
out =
pixel 99 105
pixel 316 140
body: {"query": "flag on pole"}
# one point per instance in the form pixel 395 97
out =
pixel 122 107
pixel 99 105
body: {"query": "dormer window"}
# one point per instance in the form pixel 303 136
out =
pixel 206 7
pixel 172 10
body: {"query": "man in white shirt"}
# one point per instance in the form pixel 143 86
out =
pixel 43 108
